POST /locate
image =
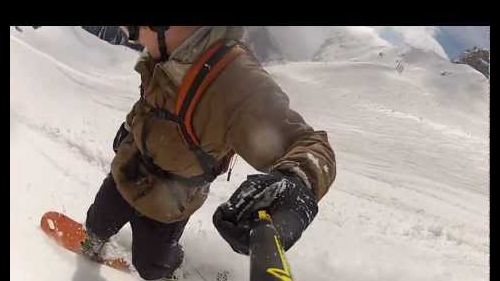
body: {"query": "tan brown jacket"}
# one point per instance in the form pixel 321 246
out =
pixel 243 110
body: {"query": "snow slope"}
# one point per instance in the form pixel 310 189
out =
pixel 410 202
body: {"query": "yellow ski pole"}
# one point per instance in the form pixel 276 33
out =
pixel 267 255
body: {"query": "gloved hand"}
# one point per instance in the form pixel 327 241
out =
pixel 122 133
pixel 291 204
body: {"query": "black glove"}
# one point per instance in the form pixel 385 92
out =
pixel 290 202
pixel 120 136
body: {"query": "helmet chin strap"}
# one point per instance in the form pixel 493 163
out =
pixel 161 44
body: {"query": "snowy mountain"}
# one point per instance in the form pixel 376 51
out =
pixel 346 43
pixel 477 58
pixel 262 43
pixel 411 198
pixel 457 39
pixel 302 43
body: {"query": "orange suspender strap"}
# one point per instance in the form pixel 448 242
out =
pixel 191 74
pixel 195 83
pixel 199 77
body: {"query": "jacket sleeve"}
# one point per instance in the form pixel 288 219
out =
pixel 270 136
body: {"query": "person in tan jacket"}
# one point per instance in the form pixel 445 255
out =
pixel 175 141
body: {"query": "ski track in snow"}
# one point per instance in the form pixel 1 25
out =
pixel 56 135
pixel 410 201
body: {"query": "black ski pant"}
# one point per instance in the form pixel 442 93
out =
pixel 155 249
